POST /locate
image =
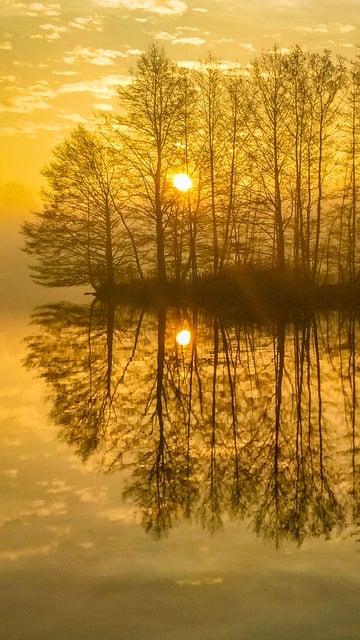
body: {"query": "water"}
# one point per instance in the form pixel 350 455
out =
pixel 158 491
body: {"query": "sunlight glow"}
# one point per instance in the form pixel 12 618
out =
pixel 183 338
pixel 182 182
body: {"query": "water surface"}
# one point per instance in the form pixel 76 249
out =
pixel 153 490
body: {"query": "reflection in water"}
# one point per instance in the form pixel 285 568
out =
pixel 235 421
pixel 183 337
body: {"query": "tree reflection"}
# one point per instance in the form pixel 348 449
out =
pixel 242 421
pixel 162 483
pixel 75 354
pixel 301 496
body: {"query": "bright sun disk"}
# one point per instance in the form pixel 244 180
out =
pixel 182 182
pixel 183 338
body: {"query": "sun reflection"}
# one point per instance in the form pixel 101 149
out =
pixel 182 182
pixel 183 338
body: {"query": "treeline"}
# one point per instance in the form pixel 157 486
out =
pixel 272 151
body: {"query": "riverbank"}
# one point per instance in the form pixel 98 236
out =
pixel 260 293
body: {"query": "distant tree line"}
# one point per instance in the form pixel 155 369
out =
pixel 273 154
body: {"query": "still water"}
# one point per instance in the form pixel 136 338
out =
pixel 157 490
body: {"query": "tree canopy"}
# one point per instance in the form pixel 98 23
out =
pixel 272 151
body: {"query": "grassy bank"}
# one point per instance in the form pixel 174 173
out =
pixel 253 293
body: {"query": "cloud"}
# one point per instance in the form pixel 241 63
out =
pixel 345 28
pixel 174 39
pixel 58 486
pixel 65 73
pixel 246 45
pixel 94 22
pixel 224 65
pixel 37 509
pixel 91 496
pixel 86 545
pixel 197 42
pixel 33 130
pixel 26 552
pixel 7 78
pixel 164 35
pixel 103 88
pixel 48 9
pixel 198 582
pixel 182 29
pixel 5 46
pixel 329 28
pixel 71 117
pixel 41 509
pixel 164 7
pixel 189 64
pixel 33 98
pixel 124 515
pixel 100 57
pixel 30 65
pixel 320 28
pixel 51 32
pixel 103 107
pixel 11 473
pixel 38 8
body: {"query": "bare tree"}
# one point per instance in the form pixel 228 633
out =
pixel 348 209
pixel 210 82
pixel 233 218
pixel 79 236
pixel 149 132
pixel 326 79
pixel 269 148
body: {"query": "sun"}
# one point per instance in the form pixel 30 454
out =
pixel 183 338
pixel 182 182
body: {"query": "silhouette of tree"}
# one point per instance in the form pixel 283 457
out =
pixel 347 210
pixel 234 219
pixel 269 148
pixel 272 151
pixel 81 235
pixel 326 79
pixel 150 133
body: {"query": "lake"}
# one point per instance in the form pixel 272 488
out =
pixel 156 490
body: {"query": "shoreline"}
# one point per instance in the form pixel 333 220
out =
pixel 250 295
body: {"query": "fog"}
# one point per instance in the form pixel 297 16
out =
pixel 17 290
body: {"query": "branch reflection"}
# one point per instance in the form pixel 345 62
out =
pixel 237 421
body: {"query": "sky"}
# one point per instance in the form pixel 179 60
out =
pixel 61 62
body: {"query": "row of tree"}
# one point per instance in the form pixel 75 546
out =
pixel 244 422
pixel 273 154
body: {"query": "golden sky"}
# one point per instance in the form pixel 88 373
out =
pixel 60 62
